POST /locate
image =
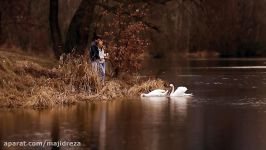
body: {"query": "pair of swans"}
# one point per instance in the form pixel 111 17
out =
pixel 179 92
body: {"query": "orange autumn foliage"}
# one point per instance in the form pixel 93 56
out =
pixel 124 35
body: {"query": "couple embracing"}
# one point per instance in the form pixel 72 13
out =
pixel 98 56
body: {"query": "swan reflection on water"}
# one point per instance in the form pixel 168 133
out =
pixel 175 104
pixel 179 105
pixel 155 98
pixel 163 114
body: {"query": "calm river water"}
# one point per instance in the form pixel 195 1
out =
pixel 227 112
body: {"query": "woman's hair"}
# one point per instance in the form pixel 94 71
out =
pixel 96 37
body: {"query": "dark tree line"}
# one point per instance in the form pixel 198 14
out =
pixel 80 30
pixel 230 27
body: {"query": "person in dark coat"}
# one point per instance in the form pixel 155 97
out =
pixel 94 50
pixel 97 56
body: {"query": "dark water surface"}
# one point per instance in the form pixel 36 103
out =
pixel 227 112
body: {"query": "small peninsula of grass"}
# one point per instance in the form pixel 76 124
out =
pixel 30 81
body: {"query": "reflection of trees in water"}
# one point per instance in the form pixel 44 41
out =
pixel 87 130
pixel 1 136
pixel 123 127
pixel 225 127
pixel 24 125
pixel 55 130
pixel 130 124
pixel 102 130
pixel 24 122
pixel 167 69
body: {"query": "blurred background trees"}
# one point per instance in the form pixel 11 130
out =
pixel 232 28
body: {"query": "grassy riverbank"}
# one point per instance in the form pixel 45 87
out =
pixel 30 81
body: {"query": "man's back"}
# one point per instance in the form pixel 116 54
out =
pixel 94 52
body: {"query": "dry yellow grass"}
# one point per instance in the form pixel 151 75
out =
pixel 26 81
pixel 78 75
pixel 146 86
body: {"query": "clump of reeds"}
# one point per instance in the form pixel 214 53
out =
pixel 113 89
pixel 146 86
pixel 78 74
pixel 74 79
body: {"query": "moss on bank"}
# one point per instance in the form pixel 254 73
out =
pixel 26 81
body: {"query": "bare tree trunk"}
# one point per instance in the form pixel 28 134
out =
pixel 79 29
pixel 55 29
pixel 1 34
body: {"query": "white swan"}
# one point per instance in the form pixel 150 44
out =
pixel 155 93
pixel 179 92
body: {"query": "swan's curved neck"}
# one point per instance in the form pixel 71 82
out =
pixel 173 89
